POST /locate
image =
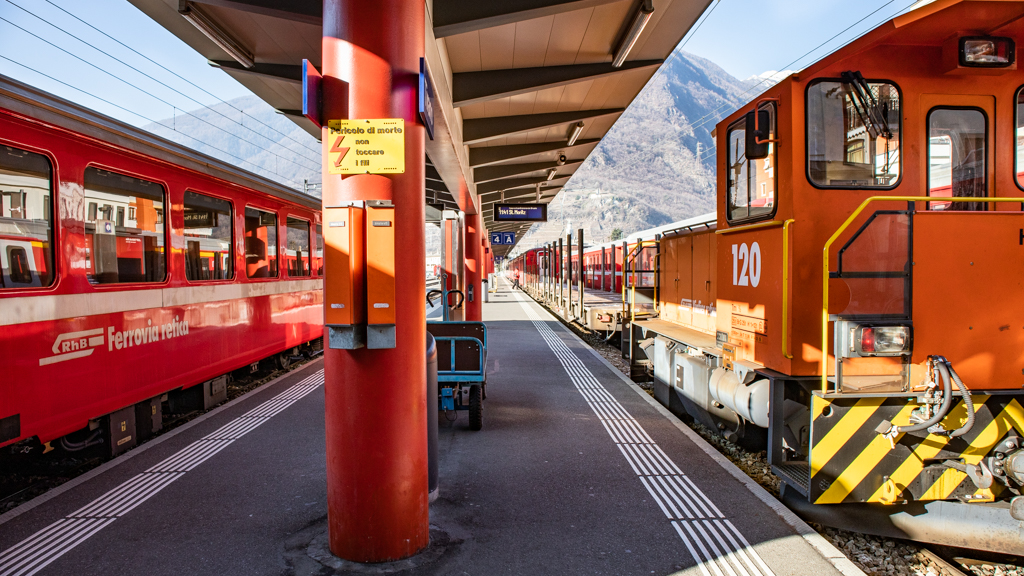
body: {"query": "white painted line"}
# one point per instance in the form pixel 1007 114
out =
pixel 40 549
pixel 662 478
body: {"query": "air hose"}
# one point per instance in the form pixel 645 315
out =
pixel 948 376
pixel 92 440
pixel 966 395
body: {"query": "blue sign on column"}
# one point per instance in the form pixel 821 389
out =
pixel 503 238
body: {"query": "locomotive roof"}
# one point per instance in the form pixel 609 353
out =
pixel 26 100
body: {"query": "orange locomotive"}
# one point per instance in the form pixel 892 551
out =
pixel 869 206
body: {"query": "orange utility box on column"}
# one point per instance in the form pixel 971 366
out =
pixel 380 274
pixel 345 285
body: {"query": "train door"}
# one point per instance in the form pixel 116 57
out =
pixel 960 149
pixel 702 284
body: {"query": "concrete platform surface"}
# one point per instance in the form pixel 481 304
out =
pixel 576 471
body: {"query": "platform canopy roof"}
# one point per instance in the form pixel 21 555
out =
pixel 513 78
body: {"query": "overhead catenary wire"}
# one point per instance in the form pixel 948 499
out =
pixel 150 94
pixel 702 120
pixel 180 77
pixel 708 116
pixel 134 113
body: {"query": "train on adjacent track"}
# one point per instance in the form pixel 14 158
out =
pixel 136 273
pixel 857 300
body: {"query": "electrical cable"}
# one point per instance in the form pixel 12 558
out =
pixel 703 119
pixel 116 77
pixel 180 77
pixel 118 106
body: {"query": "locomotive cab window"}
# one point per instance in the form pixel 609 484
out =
pixel 751 183
pixel 1018 141
pixel 26 227
pixel 119 248
pixel 297 254
pixel 208 254
pixel 260 244
pixel 853 133
pixel 957 157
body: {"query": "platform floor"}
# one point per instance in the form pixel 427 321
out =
pixel 576 471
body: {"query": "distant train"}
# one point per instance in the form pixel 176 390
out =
pixel 134 273
pixel 857 302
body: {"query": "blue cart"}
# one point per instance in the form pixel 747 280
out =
pixel 461 367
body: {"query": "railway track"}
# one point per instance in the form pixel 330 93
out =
pixel 24 475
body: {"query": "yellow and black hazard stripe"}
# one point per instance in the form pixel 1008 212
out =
pixel 851 462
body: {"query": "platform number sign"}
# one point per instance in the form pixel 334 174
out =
pixel 503 238
pixel 746 265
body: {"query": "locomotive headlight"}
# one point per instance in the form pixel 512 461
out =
pixel 881 340
pixel 987 52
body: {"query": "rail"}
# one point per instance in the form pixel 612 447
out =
pixel 736 229
pixel 630 260
pixel 823 363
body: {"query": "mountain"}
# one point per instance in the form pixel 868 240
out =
pixel 250 134
pixel 657 164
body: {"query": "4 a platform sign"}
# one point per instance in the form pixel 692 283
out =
pixel 366 146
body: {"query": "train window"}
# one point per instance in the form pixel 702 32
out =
pixel 957 156
pixel 751 182
pixel 318 261
pixel 125 250
pixel 853 133
pixel 1019 140
pixel 26 228
pixel 296 254
pixel 260 244
pixel 208 234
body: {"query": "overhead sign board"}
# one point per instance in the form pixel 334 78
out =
pixel 503 238
pixel 311 80
pixel 520 212
pixel 366 146
pixel 426 99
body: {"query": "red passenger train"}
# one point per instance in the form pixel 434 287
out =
pixel 133 270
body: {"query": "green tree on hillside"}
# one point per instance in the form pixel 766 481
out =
pixel 616 234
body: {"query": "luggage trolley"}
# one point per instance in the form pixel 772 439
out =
pixel 461 367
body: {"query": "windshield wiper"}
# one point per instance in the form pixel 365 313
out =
pixel 872 115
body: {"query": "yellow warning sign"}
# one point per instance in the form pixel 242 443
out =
pixel 366 146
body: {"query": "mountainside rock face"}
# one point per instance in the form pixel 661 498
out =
pixel 657 164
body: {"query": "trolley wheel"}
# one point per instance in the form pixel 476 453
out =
pixel 284 360
pixel 476 408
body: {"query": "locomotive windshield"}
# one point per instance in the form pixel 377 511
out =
pixel 853 133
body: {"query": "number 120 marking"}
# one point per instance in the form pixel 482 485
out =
pixel 746 260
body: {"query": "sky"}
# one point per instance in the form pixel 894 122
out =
pixel 51 44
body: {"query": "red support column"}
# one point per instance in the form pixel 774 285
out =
pixel 375 399
pixel 474 267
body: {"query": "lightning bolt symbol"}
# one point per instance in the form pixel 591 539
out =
pixel 337 149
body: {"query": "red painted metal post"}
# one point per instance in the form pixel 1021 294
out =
pixel 375 403
pixel 474 267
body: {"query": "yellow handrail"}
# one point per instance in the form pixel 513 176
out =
pixel 823 365
pixel 749 227
pixel 785 288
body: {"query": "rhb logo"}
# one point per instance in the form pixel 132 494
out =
pixel 74 345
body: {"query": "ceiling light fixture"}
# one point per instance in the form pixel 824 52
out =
pixel 551 174
pixel 640 19
pixel 212 31
pixel 575 132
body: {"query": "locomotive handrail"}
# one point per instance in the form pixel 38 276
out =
pixel 754 226
pixel 823 363
pixel 785 288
